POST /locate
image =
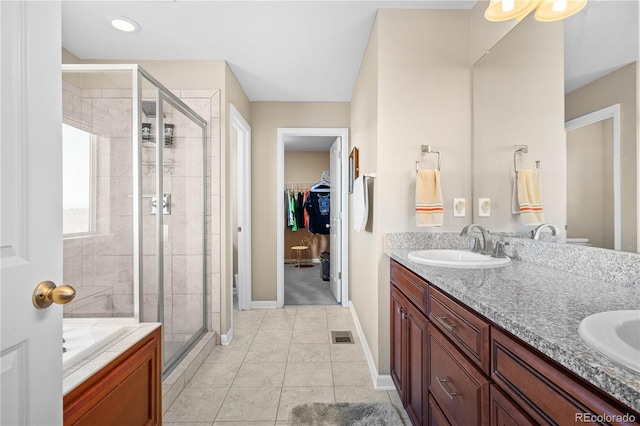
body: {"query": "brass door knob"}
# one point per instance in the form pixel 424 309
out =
pixel 47 293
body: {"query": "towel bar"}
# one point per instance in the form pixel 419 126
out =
pixel 521 149
pixel 427 149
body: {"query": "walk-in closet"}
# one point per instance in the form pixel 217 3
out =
pixel 306 225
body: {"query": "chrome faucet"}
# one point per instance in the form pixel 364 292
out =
pixel 485 247
pixel 535 234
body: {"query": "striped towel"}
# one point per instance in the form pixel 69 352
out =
pixel 429 208
pixel 528 194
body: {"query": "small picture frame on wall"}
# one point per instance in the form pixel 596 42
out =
pixel 354 170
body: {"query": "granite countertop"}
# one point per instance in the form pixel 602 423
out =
pixel 543 307
pixel 85 368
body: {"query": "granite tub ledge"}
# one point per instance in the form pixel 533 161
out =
pixel 543 307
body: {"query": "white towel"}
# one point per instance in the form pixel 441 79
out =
pixel 360 204
pixel 429 207
pixel 527 197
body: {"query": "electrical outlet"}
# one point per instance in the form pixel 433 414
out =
pixel 459 207
pixel 484 207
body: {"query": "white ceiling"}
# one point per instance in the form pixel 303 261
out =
pixel 278 50
pixel 599 39
pixel 307 50
pixel 308 143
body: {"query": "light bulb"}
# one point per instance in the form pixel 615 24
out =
pixel 123 24
pixel 507 5
pixel 559 5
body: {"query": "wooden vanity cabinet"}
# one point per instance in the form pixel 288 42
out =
pixel 503 412
pixel 128 391
pixel 459 388
pixel 469 332
pixel 472 372
pixel 545 390
pixel 408 358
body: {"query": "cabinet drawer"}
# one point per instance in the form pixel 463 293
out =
pixel 459 388
pixel 504 412
pixel 466 329
pixel 436 416
pixel 409 283
pixel 545 392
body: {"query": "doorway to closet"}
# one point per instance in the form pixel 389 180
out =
pixel 312 237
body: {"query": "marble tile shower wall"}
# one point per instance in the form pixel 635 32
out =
pixel 617 267
pixel 101 266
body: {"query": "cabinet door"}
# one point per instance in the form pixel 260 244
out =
pixel 397 331
pixel 416 392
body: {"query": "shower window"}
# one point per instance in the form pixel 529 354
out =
pixel 78 183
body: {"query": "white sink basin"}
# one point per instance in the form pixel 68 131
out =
pixel 457 259
pixel 616 335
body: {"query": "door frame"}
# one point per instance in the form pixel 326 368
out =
pixel 612 112
pixel 343 133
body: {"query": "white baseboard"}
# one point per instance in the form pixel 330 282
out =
pixel 380 381
pixel 225 339
pixel 264 304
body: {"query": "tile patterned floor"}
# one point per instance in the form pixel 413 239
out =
pixel 278 358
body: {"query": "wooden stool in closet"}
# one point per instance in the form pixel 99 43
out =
pixel 300 250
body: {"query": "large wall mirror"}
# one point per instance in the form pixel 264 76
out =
pixel 569 91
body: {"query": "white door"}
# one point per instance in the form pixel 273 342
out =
pixel 243 191
pixel 335 231
pixel 31 211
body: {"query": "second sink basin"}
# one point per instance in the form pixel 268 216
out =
pixel 615 334
pixel 457 259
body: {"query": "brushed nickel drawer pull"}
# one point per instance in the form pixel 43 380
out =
pixel 445 324
pixel 399 310
pixel 441 382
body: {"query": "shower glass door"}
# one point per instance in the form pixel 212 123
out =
pixel 182 229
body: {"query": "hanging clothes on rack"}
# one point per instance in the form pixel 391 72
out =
pixel 292 211
pixel 299 210
pixel 318 206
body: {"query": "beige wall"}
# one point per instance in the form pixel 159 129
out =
pixel 421 67
pixel 518 95
pixel 363 250
pixel 590 183
pixel 266 118
pixel 618 87
pixel 305 168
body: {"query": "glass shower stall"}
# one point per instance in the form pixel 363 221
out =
pixel 134 191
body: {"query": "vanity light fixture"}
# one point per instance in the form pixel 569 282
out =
pixel 546 10
pixel 123 24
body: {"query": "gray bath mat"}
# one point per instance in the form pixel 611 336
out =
pixel 345 414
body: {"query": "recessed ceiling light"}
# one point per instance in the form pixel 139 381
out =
pixel 123 24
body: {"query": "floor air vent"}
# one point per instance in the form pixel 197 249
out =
pixel 341 337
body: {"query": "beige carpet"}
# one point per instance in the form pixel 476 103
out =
pixel 345 414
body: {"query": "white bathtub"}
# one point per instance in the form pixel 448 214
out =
pixel 81 340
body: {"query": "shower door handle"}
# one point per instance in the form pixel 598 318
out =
pixel 166 204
